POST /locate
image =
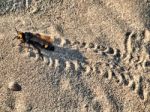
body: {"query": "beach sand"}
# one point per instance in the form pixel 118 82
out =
pixel 101 61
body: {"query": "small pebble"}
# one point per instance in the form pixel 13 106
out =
pixel 14 86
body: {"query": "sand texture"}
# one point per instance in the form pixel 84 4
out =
pixel 101 61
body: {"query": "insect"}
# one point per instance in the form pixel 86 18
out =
pixel 37 40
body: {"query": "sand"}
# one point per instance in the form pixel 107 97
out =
pixel 101 61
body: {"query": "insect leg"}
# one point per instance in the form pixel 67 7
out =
pixel 15 37
pixel 36 46
pixel 50 47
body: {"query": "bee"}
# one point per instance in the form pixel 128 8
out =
pixel 35 39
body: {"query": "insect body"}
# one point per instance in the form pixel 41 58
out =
pixel 36 39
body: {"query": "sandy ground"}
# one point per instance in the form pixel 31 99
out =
pixel 101 62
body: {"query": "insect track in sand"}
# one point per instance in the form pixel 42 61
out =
pixel 119 63
pixel 135 56
pixel 136 53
